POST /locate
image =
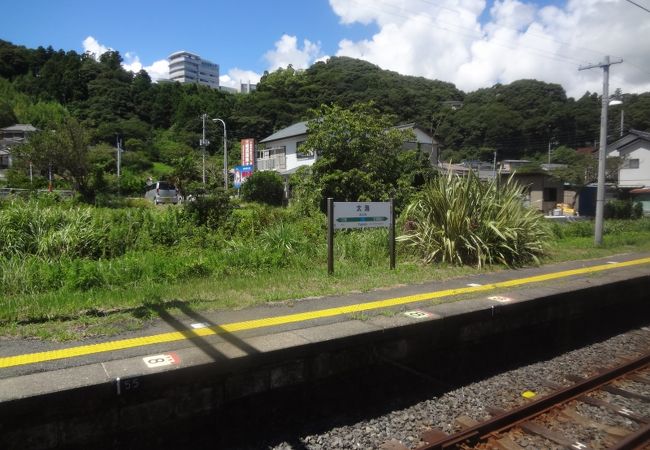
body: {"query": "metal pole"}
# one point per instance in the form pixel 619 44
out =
pixel 225 157
pixel 225 153
pixel 602 155
pixel 391 235
pixel 203 148
pixel 330 236
pixel 119 163
pixel 602 150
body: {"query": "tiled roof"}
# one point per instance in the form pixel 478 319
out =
pixel 292 130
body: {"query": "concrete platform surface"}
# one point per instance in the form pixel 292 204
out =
pixel 193 339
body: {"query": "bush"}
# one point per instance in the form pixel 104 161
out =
pixel 463 220
pixel 210 210
pixel 623 209
pixel 264 187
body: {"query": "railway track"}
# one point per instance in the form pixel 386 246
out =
pixel 539 416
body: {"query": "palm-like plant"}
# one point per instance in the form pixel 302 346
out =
pixel 463 220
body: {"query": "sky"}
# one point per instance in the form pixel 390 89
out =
pixel 471 43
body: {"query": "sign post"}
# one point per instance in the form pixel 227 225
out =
pixel 342 215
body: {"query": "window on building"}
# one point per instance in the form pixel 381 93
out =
pixel 302 152
pixel 631 163
pixel 550 194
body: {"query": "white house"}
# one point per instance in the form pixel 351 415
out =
pixel 422 140
pixel 283 151
pixel 634 172
pixel 634 150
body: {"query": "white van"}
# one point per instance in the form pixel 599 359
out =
pixel 162 192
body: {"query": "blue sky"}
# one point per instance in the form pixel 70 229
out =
pixel 232 34
pixel 471 43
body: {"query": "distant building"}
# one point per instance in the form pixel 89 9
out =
pixel 10 137
pixel 247 88
pixel 186 67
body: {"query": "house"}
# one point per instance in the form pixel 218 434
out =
pixel 422 140
pixel 634 151
pixel 634 171
pixel 283 152
pixel 542 191
pixel 9 138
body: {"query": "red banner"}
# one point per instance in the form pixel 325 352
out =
pixel 248 152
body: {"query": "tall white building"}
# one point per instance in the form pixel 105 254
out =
pixel 186 67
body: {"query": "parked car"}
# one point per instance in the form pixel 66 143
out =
pixel 162 192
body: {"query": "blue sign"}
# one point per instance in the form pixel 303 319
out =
pixel 241 174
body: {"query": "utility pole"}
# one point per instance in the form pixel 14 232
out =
pixel 119 162
pixel 602 150
pixel 204 143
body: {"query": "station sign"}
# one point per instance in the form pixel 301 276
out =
pixel 361 215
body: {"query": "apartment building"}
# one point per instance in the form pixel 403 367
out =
pixel 186 67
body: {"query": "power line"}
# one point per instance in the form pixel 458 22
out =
pixel 636 4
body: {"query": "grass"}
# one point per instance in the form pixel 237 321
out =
pixel 268 256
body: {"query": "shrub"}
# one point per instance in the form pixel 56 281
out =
pixel 463 220
pixel 210 210
pixel 264 187
pixel 623 209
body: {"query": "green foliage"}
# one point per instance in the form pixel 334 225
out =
pixel 64 149
pixel 50 232
pixel 7 116
pixel 462 220
pixel 304 192
pixel 210 210
pixel 358 152
pixel 264 187
pixel 623 209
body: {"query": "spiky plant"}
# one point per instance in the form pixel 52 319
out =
pixel 463 220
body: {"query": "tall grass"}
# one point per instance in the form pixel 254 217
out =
pixel 463 220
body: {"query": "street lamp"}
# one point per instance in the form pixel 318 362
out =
pixel 615 102
pixel 203 142
pixel 225 154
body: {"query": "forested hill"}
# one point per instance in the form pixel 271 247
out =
pixel 41 85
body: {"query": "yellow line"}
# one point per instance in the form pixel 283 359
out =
pixel 33 358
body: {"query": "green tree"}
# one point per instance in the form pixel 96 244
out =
pixel 357 152
pixel 264 187
pixel 64 150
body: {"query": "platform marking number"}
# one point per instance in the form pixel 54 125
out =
pixel 418 314
pixel 474 285
pixel 164 359
pixel 199 325
pixel 500 299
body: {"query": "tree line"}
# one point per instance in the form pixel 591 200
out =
pixel 519 120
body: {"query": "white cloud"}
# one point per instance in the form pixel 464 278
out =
pixel 236 76
pixel 287 52
pixel 131 61
pixel 93 47
pixel 158 70
pixel 451 41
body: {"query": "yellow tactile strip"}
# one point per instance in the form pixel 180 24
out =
pixel 82 350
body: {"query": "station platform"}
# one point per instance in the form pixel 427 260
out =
pixel 189 363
